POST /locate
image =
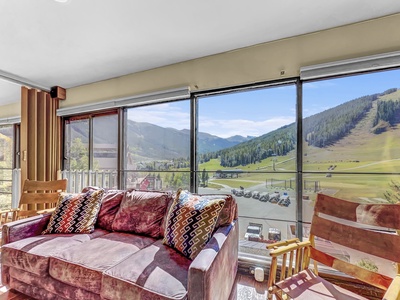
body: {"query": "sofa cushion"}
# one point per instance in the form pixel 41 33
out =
pixel 32 254
pixel 83 265
pixel 229 212
pixel 156 272
pixel 75 213
pixel 109 206
pixel 141 212
pixel 191 221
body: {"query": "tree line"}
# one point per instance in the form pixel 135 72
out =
pixel 320 130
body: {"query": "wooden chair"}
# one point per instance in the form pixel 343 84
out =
pixel 362 227
pixel 37 197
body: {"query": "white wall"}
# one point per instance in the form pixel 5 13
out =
pixel 247 65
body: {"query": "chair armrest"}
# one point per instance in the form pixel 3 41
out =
pixel 283 243
pixel 290 247
pixel 393 292
pixel 212 273
pixel 4 214
pixel 45 211
pixel 24 228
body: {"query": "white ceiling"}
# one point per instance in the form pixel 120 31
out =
pixel 83 41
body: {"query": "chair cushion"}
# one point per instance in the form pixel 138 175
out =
pixel 191 222
pixel 75 213
pixel 141 212
pixel 156 272
pixel 83 266
pixel 32 254
pixel 306 285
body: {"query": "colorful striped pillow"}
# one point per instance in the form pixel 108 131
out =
pixel 191 222
pixel 75 213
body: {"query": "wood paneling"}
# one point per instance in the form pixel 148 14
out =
pixel 40 136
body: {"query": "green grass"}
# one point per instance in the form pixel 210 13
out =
pixel 359 152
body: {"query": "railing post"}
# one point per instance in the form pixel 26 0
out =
pixel 16 186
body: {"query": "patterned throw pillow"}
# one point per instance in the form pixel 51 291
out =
pixel 75 213
pixel 191 222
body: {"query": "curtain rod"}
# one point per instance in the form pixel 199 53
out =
pixel 22 81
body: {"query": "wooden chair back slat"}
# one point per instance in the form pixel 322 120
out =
pixel 375 279
pixel 39 195
pixel 381 244
pixel 55 185
pixel 381 215
pixel 36 198
pixel 372 229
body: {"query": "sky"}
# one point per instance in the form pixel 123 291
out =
pixel 256 112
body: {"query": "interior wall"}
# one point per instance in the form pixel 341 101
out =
pixel 10 110
pixel 258 63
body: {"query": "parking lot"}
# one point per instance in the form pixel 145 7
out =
pixel 271 215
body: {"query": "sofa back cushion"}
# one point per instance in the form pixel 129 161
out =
pixel 109 206
pixel 228 212
pixel 142 212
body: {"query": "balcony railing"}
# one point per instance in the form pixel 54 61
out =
pixel 78 179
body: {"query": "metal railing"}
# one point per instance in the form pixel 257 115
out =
pixel 78 179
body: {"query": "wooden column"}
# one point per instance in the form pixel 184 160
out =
pixel 40 135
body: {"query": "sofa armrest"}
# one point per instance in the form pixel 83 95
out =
pixel 24 228
pixel 212 273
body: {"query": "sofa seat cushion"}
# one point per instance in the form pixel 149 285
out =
pixel 32 254
pixel 156 272
pixel 41 287
pixel 83 265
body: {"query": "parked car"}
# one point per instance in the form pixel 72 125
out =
pixel 274 235
pixel 239 193
pixel 274 197
pixel 247 193
pixel 254 232
pixel 264 197
pixel 285 200
pixel 256 195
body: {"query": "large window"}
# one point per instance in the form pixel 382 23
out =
pixel 351 149
pixel 157 146
pixel 91 151
pixel 247 146
pixel 245 142
pixel 6 165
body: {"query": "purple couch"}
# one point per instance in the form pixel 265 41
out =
pixel 122 259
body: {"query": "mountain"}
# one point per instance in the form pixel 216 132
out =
pixel 149 141
pixel 239 138
pixel 320 130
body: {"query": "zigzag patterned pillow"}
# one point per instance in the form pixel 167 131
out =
pixel 191 222
pixel 75 213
